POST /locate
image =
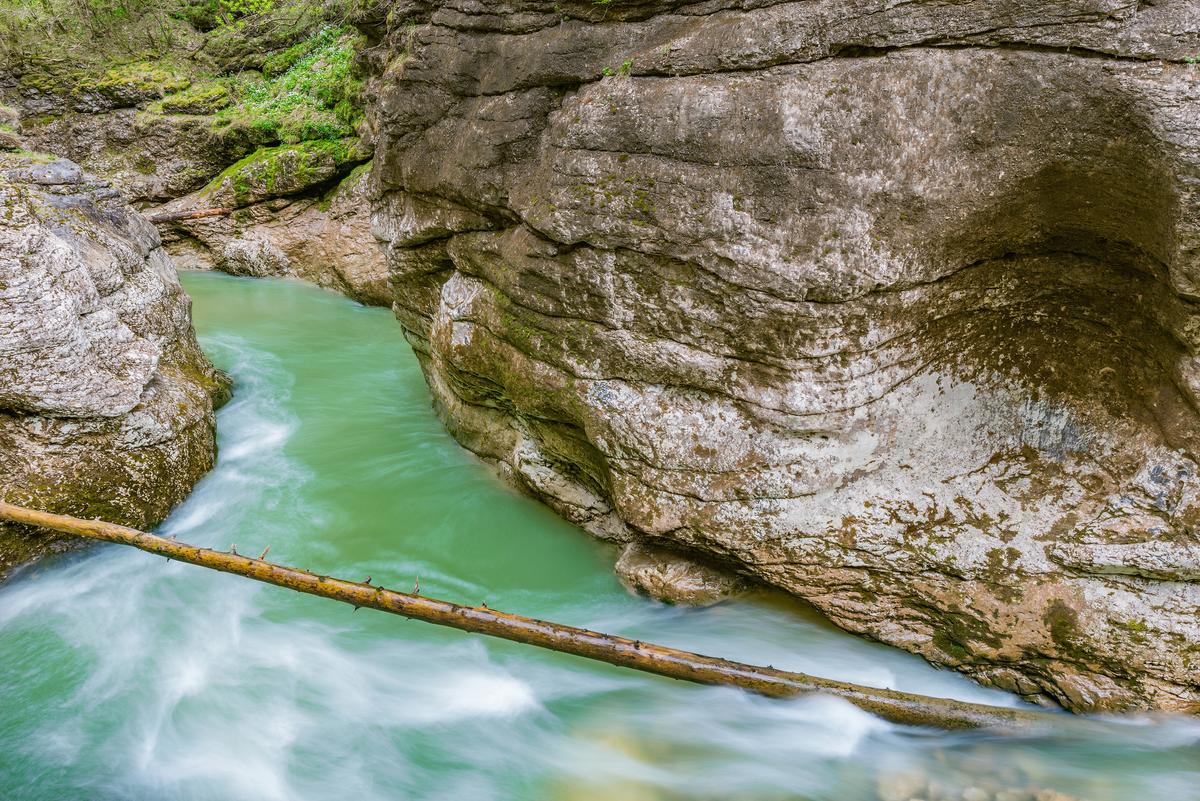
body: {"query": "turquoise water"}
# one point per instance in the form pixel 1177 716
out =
pixel 123 676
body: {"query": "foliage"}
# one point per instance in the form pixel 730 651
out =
pixel 62 31
pixel 85 34
pixel 310 91
pixel 243 7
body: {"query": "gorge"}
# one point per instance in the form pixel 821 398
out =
pixel 887 307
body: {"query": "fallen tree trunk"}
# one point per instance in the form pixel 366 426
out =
pixel 194 214
pixel 896 706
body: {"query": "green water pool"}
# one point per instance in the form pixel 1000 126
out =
pixel 123 676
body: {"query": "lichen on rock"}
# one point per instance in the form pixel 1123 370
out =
pixel 892 308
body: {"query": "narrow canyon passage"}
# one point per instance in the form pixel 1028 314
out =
pixel 126 677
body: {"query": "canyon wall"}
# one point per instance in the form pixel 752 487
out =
pixel 106 402
pixel 890 305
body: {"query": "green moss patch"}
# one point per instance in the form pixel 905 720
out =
pixel 129 84
pixel 279 171
pixel 205 98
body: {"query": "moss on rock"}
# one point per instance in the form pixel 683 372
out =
pixel 198 99
pixel 280 171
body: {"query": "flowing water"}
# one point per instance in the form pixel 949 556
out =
pixel 124 676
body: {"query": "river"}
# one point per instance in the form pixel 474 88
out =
pixel 124 676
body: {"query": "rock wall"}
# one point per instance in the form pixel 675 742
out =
pixel 171 133
pixel 151 158
pixel 296 212
pixel 890 305
pixel 106 402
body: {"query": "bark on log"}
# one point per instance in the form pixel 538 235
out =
pixel 905 708
pixel 194 214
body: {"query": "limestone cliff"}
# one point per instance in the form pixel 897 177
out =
pixel 106 402
pixel 890 305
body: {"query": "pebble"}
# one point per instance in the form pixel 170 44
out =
pixel 900 786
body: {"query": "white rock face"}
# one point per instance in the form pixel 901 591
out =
pixel 65 352
pixel 106 403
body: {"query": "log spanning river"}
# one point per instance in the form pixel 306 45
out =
pixel 123 676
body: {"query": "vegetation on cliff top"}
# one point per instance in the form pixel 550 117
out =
pixel 264 72
pixel 86 33
pixel 271 70
pixel 308 91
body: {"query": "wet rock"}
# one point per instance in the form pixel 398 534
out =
pixel 106 402
pixel 673 577
pixel 890 307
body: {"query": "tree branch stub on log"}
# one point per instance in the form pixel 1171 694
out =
pixel 899 707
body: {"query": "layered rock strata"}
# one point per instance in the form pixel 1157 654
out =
pixel 890 305
pixel 301 211
pixel 106 402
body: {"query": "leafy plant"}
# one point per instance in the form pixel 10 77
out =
pixel 243 7
pixel 310 91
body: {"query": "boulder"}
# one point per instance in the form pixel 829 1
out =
pixel 890 305
pixel 106 402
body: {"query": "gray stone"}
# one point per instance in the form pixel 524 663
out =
pixel 56 172
pixel 673 577
pixel 889 305
pixel 106 402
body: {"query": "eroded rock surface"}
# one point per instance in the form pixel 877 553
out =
pixel 890 305
pixel 106 402
pixel 299 210
pixel 668 576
